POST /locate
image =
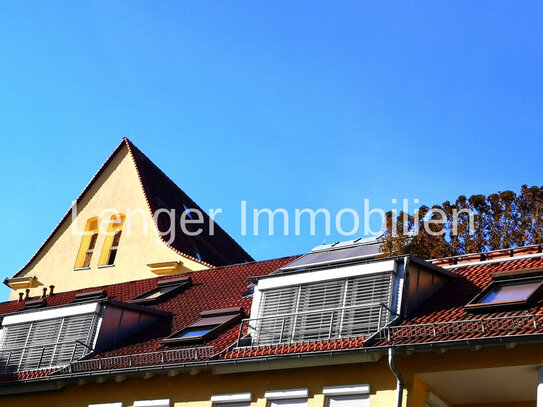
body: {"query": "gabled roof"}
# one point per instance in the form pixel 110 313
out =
pixel 160 191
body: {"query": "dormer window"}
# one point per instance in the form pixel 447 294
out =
pixel 508 291
pixel 88 244
pixel 210 324
pixel 165 290
pixel 111 244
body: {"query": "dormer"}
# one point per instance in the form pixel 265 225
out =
pixel 339 293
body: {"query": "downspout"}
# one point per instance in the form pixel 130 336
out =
pixel 399 378
pixel 391 351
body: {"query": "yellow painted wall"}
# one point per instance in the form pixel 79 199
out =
pixel 196 390
pixel 118 188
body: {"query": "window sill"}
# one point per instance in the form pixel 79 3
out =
pixel 81 268
pixel 105 266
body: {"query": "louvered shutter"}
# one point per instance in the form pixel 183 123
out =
pixel 350 307
pixel 46 343
pixel 301 402
pixel 355 400
pixel 365 296
pixel 326 297
pixel 282 301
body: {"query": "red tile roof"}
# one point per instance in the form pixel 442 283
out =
pixel 440 318
pixel 215 288
pixel 445 309
pixel 283 349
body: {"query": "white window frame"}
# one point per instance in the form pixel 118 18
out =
pixel 231 398
pixel 153 403
pixel 346 390
pixel 286 394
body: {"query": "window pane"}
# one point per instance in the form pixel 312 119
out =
pixel 510 292
pixel 196 331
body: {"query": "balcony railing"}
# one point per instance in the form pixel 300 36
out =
pixel 352 321
pixel 468 328
pixel 36 357
pixel 162 358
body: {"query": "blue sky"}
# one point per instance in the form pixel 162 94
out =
pixel 282 104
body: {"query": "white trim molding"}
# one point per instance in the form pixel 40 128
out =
pixel 232 398
pixel 346 390
pixel 42 314
pixel 286 394
pixel 120 404
pixel 153 403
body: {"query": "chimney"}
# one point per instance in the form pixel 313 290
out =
pixel 51 288
pixel 27 293
pixel 21 297
pixel 44 292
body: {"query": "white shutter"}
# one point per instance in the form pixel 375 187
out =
pixel 276 302
pixel 348 307
pixel 353 400
pixel 45 343
pixel 302 402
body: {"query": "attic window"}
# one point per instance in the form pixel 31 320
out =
pixel 113 237
pixel 507 292
pixel 88 244
pixel 210 324
pixel 166 289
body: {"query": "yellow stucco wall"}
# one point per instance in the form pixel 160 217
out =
pixel 118 188
pixel 195 390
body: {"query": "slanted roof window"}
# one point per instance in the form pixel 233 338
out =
pixel 165 290
pixel 508 291
pixel 209 325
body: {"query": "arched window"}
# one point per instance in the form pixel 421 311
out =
pixel 111 244
pixel 88 244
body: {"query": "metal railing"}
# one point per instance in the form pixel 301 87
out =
pixel 467 327
pixel 37 357
pixel 325 324
pixel 161 358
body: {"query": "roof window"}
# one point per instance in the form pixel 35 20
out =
pixel 166 289
pixel 209 325
pixel 508 291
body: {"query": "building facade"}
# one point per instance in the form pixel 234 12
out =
pixel 119 310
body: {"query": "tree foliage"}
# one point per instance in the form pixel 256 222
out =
pixel 468 225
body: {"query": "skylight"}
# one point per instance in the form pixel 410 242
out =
pixel 508 292
pixel 166 289
pixel 211 323
pixel 511 292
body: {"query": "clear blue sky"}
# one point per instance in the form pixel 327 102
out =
pixel 282 104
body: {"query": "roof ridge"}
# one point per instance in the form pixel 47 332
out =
pixel 131 145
